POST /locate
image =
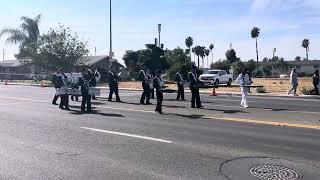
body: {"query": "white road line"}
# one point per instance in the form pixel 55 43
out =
pixel 23 99
pixel 128 135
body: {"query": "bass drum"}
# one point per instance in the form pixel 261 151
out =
pixel 97 76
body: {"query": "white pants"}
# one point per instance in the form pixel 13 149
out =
pixel 244 92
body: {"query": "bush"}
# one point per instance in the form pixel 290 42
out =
pixel 261 90
pixel 305 90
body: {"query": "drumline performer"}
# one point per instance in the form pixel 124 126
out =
pixel 158 83
pixel 62 84
pixel 180 84
pixel 194 87
pixel 54 82
pixel 113 86
pixel 243 81
pixel 145 85
pixel 150 78
pixel 85 84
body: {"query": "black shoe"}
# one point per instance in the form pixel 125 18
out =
pixel 109 100
pixel 68 109
pixel 55 103
pixel 183 100
pixel 193 107
pixel 142 103
pixel 148 103
pixel 200 107
pixel 119 101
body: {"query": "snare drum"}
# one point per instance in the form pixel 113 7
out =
pixel 94 91
pixel 61 91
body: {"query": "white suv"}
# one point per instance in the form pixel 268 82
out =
pixel 216 77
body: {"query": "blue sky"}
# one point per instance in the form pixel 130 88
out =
pixel 283 23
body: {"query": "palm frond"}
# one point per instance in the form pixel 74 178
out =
pixel 15 35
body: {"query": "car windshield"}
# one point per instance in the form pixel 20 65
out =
pixel 213 72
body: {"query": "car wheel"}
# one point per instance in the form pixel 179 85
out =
pixel 217 82
pixel 229 82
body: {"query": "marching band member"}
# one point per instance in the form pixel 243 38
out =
pixel 93 82
pixel 113 86
pixel 150 77
pixel 159 85
pixel 54 82
pixel 74 84
pixel 63 83
pixel 145 85
pixel 194 87
pixel 180 83
pixel 242 81
pixel 84 82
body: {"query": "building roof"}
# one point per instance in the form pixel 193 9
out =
pixel 90 60
pixel 14 63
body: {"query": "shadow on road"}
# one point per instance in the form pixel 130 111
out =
pixel 192 116
pixel 95 112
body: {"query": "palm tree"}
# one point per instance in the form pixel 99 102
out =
pixel 207 53
pixel 189 44
pixel 211 47
pixel 198 52
pixel 202 54
pixel 255 32
pixel 306 44
pixel 193 51
pixel 26 36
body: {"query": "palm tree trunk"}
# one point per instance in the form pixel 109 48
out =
pixel 202 62
pixel 190 54
pixel 198 62
pixel 307 55
pixel 212 57
pixel 208 61
pixel 257 54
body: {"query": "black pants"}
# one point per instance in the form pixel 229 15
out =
pixel 146 93
pixel 180 92
pixel 159 101
pixel 64 103
pixel 114 89
pixel 55 99
pixel 315 90
pixel 195 100
pixel 152 93
pixel 86 101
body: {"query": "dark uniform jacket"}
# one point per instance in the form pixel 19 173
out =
pixel 316 79
pixel 113 79
pixel 178 77
pixel 157 84
pixel 193 79
pixel 85 83
pixel 60 83
pixel 142 75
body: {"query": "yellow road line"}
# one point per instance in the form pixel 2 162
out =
pixel 273 123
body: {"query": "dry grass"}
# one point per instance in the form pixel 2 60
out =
pixel 275 86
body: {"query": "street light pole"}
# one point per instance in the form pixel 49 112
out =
pixel 111 53
pixel 159 30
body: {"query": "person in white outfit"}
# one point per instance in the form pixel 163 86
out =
pixel 242 81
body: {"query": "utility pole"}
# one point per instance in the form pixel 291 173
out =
pixel 95 51
pixel 3 53
pixel 159 30
pixel 111 52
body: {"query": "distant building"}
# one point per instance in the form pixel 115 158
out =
pixel 303 67
pixel 22 69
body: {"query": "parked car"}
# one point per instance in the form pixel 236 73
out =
pixel 216 77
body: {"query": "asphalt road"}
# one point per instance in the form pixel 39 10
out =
pixel 130 141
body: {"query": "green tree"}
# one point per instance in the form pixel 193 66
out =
pixel 306 45
pixel 189 44
pixel 250 65
pixel 255 32
pixel 207 53
pixel 267 70
pixel 211 47
pixel 231 56
pixel 202 54
pixel 224 65
pixel 298 58
pixel 283 65
pixel 26 36
pixel 265 60
pixel 238 67
pixel 198 53
pixel 178 61
pixel 60 48
pixel 131 59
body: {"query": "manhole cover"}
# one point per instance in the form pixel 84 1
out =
pixel 274 172
pixel 268 169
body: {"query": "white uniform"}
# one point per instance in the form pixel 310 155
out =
pixel 242 81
